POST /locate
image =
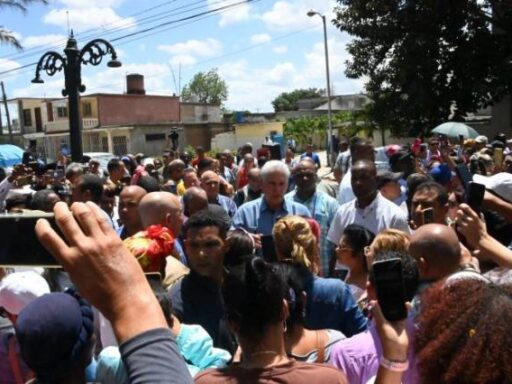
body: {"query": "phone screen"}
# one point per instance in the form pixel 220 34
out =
pixel 498 156
pixel 475 196
pixel 390 288
pixel 428 215
pixel 268 249
pixel 464 175
pixel 20 245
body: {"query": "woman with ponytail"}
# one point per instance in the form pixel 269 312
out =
pixel 256 308
pixel 330 304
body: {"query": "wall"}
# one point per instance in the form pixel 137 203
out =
pixel 501 120
pixel 246 133
pixel 137 109
pixel 151 148
pixel 200 113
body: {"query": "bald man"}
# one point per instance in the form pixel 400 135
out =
pixel 437 250
pixel 129 200
pixel 210 182
pixel 194 200
pixel 164 208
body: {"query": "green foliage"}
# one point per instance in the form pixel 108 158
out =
pixel 206 87
pixel 347 123
pixel 423 57
pixel 6 35
pixel 287 101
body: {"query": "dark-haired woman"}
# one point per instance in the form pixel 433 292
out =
pixel 256 307
pixel 350 252
pixel 312 346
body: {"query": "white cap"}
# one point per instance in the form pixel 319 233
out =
pixel 19 289
pixel 481 139
pixel 500 183
pixel 148 161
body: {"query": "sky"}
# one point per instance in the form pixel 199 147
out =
pixel 261 48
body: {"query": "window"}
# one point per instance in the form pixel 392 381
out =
pixel 155 136
pixel 120 145
pixel 27 118
pixel 62 111
pixel 87 109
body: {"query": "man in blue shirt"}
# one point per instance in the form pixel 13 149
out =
pixel 322 207
pixel 210 182
pixel 309 153
pixel 259 216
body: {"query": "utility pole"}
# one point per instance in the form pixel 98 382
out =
pixel 4 97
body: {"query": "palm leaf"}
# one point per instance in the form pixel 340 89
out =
pixel 6 37
pixel 20 5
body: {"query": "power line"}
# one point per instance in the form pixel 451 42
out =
pixel 251 47
pixel 198 15
pixel 101 31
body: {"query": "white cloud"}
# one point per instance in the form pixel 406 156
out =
pixel 233 15
pixel 292 15
pixel 6 65
pixel 52 40
pixel 88 14
pixel 183 60
pixel 260 38
pixel 109 80
pixel 186 53
pixel 280 49
pixel 203 48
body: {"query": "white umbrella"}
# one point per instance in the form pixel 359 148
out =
pixel 454 129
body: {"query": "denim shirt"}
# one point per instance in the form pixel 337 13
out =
pixel 256 217
pixel 330 305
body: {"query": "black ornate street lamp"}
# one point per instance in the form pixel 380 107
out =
pixel 52 62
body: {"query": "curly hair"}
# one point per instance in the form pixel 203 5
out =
pixel 295 240
pixel 464 333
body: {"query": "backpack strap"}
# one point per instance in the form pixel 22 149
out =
pixel 14 362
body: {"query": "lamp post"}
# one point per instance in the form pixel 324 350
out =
pixel 330 149
pixel 52 62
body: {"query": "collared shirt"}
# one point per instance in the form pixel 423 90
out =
pixel 323 208
pixel 345 193
pixel 226 203
pixel 343 161
pixel 256 217
pixel 379 215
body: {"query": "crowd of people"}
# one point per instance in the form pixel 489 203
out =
pixel 239 268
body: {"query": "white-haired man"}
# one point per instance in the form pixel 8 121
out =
pixel 260 215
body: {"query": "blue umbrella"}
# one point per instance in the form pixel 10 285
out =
pixel 10 155
pixel 454 129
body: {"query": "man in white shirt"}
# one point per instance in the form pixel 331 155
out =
pixel 370 209
pixel 360 149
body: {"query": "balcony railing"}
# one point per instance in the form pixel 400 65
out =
pixel 63 125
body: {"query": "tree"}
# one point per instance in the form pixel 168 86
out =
pixel 7 36
pixel 425 59
pixel 206 87
pixel 287 101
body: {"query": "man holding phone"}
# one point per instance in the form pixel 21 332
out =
pixel 360 356
pixel 429 204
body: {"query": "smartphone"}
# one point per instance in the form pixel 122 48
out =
pixel 340 273
pixel 59 173
pixel 498 156
pixel 428 215
pixel 389 285
pixel 464 175
pixel 475 196
pixel 443 139
pixel 268 248
pixel 20 245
